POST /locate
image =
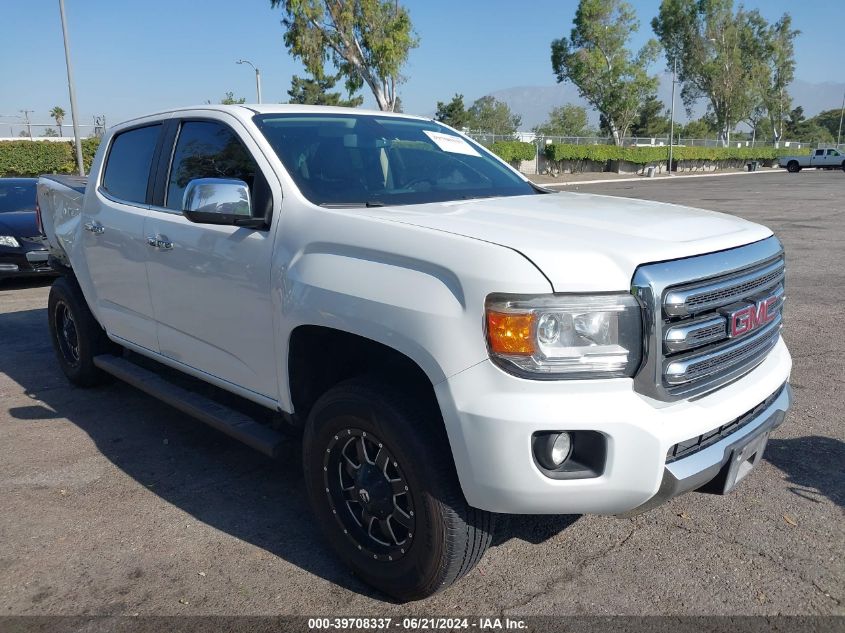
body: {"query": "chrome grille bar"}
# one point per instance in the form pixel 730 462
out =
pixel 680 338
pixel 683 302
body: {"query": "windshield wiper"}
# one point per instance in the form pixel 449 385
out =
pixel 352 205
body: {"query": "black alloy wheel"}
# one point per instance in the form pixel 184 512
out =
pixel 368 494
pixel 67 336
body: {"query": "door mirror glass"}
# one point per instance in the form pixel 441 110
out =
pixel 219 201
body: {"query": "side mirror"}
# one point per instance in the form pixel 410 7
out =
pixel 219 201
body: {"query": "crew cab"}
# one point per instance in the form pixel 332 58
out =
pixel 822 158
pixel 452 341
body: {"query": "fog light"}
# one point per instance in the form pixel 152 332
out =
pixel 553 449
pixel 561 448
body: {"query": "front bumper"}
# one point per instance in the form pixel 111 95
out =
pixel 490 417
pixel 24 262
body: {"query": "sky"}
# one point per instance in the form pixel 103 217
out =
pixel 132 58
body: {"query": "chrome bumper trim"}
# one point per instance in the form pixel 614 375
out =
pixel 693 472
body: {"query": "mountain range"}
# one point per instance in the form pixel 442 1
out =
pixel 533 103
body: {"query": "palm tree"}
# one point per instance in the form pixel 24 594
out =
pixel 59 114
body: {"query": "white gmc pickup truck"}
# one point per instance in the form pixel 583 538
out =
pixel 451 340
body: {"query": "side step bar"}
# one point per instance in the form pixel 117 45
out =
pixel 234 423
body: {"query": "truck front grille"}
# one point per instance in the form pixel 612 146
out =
pixel 691 347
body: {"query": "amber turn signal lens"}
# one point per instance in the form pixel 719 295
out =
pixel 510 333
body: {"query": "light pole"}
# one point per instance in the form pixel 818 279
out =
pixel 71 91
pixel 841 112
pixel 26 114
pixel 672 113
pixel 257 76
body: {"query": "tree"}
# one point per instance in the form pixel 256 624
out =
pixel 367 41
pixel 798 128
pixel 50 132
pixel 596 60
pixel 829 119
pixel 652 119
pixel 566 120
pixel 453 113
pixel 487 114
pixel 780 63
pixel 720 56
pixel 229 99
pixel 699 128
pixel 59 115
pixel 316 91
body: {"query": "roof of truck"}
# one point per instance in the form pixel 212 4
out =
pixel 246 110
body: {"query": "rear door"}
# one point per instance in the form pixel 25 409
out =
pixel 210 284
pixel 114 244
pixel 818 159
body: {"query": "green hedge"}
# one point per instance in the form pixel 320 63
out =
pixel 647 155
pixel 513 151
pixel 32 158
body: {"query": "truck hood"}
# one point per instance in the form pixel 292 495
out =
pixel 584 242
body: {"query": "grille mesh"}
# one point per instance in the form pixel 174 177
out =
pixel 725 295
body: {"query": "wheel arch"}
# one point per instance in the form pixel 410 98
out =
pixel 320 357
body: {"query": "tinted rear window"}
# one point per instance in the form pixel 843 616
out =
pixel 17 195
pixel 128 164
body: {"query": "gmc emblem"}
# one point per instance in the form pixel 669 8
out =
pixel 752 316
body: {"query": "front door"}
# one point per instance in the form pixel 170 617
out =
pixel 115 249
pixel 210 285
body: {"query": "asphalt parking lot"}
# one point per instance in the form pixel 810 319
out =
pixel 113 503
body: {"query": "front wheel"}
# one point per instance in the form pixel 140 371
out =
pixel 843 165
pixel 793 167
pixel 383 487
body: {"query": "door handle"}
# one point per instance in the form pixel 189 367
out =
pixel 160 242
pixel 95 227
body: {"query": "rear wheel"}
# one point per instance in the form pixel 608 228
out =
pixel 77 337
pixel 793 167
pixel 383 485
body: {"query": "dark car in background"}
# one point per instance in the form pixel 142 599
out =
pixel 23 250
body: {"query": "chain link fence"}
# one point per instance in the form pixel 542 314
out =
pixel 487 139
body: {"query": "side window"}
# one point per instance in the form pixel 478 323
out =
pixel 207 149
pixel 832 152
pixel 819 152
pixel 128 165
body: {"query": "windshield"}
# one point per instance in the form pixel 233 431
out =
pixel 17 195
pixel 369 160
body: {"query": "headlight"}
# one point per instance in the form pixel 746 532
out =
pixel 8 240
pixel 565 336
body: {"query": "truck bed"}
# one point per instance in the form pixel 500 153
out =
pixel 77 183
pixel 60 200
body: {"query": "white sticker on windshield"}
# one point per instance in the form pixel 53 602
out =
pixel 449 143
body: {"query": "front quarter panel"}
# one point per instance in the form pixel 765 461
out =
pixel 417 290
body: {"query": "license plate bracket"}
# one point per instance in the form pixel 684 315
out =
pixel 743 460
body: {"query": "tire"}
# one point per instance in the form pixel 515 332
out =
pixel 77 337
pixel 843 165
pixel 438 537
pixel 793 167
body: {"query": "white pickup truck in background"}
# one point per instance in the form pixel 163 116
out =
pixel 823 158
pixel 451 340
